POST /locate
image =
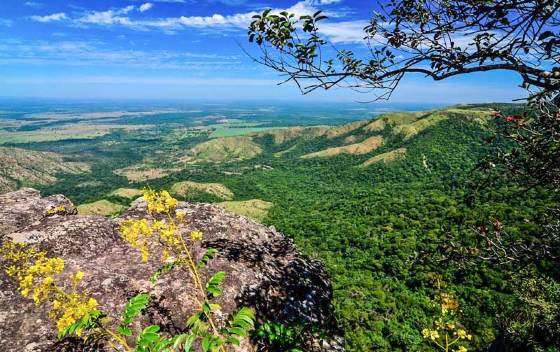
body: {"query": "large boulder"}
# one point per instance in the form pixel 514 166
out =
pixel 264 271
pixel 24 207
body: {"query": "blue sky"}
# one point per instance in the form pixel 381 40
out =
pixel 183 49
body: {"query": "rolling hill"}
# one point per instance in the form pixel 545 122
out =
pixel 21 167
pixel 363 137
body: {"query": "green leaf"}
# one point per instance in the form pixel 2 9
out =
pixel 151 329
pixel 214 283
pixel 150 337
pixel 206 343
pixel 164 269
pixel 87 322
pixel 232 340
pixel 188 343
pixel 133 308
pixel 124 330
pixel 208 255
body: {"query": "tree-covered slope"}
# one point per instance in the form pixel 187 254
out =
pixel 395 225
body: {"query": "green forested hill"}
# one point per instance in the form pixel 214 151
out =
pixel 392 230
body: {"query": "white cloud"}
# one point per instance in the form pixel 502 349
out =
pixel 145 7
pixel 171 1
pixel 4 22
pixel 50 18
pixel 109 17
pixel 324 2
pixel 338 32
pixel 82 53
pixel 33 4
pixel 344 32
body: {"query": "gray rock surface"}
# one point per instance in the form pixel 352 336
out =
pixel 24 207
pixel 264 271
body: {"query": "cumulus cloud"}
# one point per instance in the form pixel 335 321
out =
pixel 109 17
pixel 325 2
pixel 145 7
pixel 344 32
pixel 171 1
pixel 33 4
pixel 50 18
pixel 338 32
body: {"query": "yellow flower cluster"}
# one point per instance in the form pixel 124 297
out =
pixel 430 334
pixel 70 308
pixel 159 202
pixel 61 209
pixel 136 233
pixel 33 270
pixel 446 332
pixel 36 274
pixel 448 303
pixel 196 236
pixel 139 233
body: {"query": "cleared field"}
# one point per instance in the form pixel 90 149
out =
pixel 225 149
pixel 338 131
pixel 283 135
pixel 101 207
pixel 364 147
pixel 394 118
pixel 140 174
pixel 75 131
pixel 126 193
pixel 479 115
pixel 255 209
pixel 236 131
pixel 386 157
pixel 217 189
pixel 412 129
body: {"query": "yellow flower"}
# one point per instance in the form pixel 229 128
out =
pixel 181 215
pixel 430 334
pixel 161 202
pixel 78 276
pixel 434 335
pixel 196 236
pixel 462 334
pixel 461 349
pixel 448 303
pixel 165 256
pixel 144 252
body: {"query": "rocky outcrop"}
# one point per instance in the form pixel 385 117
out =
pixel 264 271
pixel 24 207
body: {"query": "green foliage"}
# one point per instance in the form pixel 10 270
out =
pixel 278 337
pixel 149 340
pixel 132 309
pixel 388 232
pixel 208 255
pixel 89 322
pixel 242 323
pixel 164 269
pixel 213 285
pixel 537 314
